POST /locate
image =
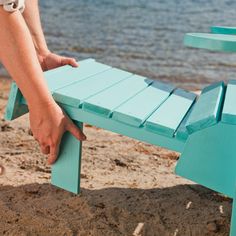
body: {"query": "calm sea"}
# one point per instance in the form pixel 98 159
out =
pixel 142 36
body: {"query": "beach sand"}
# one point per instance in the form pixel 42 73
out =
pixel 128 188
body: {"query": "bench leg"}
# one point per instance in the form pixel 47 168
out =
pixel 66 170
pixel 233 218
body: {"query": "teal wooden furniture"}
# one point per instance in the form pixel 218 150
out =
pixel 147 110
pixel 222 156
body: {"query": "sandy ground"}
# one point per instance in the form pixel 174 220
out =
pixel 128 188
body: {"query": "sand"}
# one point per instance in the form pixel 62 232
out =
pixel 128 188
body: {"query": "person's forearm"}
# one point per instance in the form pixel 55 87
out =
pixel 32 18
pixel 18 55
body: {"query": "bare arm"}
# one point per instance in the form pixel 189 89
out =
pixel 47 59
pixel 18 55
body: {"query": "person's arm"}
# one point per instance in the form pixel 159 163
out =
pixel 47 59
pixel 18 55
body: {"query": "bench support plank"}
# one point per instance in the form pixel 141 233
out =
pixel 141 134
pixel 14 106
pixel 209 158
pixel 233 218
pixel 66 170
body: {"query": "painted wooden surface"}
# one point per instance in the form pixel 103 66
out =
pixel 141 133
pixel 167 118
pixel 75 94
pixel 233 218
pixel 215 42
pixel 66 170
pixel 182 133
pixel 207 109
pixel 14 106
pixel 229 108
pixel 136 110
pixel 105 102
pixel 66 75
pixel 223 30
pixel 111 90
pixel 209 158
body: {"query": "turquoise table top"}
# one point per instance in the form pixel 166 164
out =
pixel 223 30
pixel 215 42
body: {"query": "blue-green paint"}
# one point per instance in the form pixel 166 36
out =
pixel 215 42
pixel 207 109
pixel 223 30
pixel 207 152
pixel 76 93
pixel 136 110
pixel 229 109
pixel 167 118
pixel 14 107
pixel 107 101
pixel 66 170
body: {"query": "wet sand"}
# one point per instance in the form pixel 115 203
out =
pixel 128 188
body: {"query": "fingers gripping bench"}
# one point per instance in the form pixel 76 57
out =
pixel 203 129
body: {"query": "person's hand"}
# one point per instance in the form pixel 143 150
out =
pixel 48 124
pixel 51 60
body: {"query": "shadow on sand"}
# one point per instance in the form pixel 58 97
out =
pixel 41 209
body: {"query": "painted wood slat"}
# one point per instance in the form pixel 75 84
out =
pixel 75 93
pixel 215 42
pixel 223 30
pixel 105 102
pixel 166 119
pixel 182 132
pixel 139 133
pixel 14 107
pixel 207 109
pixel 66 170
pixel 139 108
pixel 229 108
pixel 66 75
pixel 67 67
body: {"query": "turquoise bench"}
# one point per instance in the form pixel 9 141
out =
pixel 202 129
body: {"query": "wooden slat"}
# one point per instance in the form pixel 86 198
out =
pixel 67 67
pixel 105 102
pixel 223 30
pixel 182 132
pixel 166 119
pixel 229 108
pixel 215 42
pixel 207 109
pixel 140 107
pixel 67 75
pixel 75 93
pixel 139 133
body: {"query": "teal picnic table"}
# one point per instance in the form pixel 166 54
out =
pixel 201 128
